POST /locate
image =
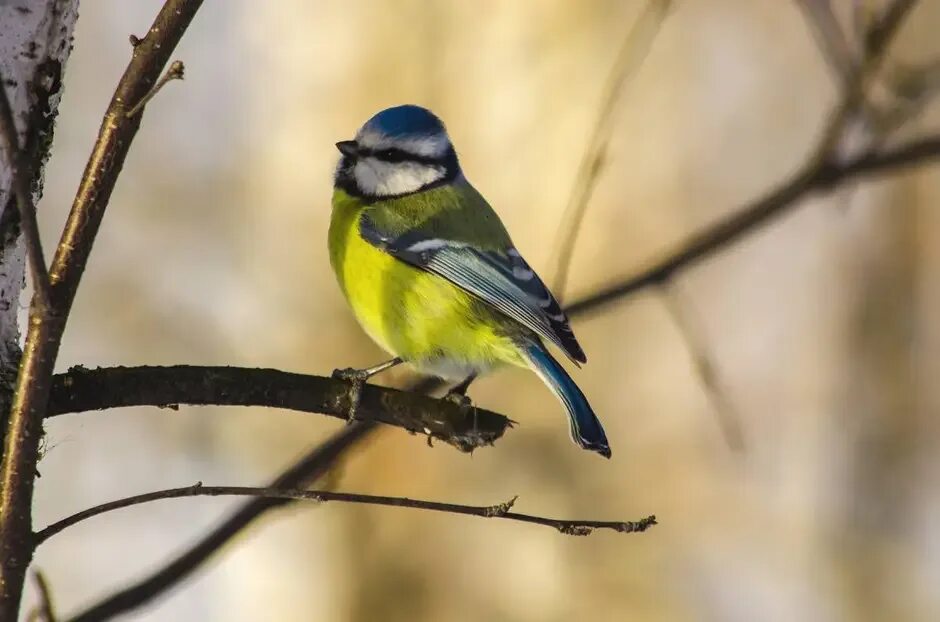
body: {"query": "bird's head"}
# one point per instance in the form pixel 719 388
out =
pixel 399 151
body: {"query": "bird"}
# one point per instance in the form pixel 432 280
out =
pixel 432 275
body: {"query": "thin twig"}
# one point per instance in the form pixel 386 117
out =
pixel 500 510
pixel 44 611
pixel 781 200
pixel 914 87
pixel 729 420
pixel 175 72
pixel 883 30
pixel 854 104
pixel 633 51
pixel 83 389
pixel 830 38
pixel 309 468
pixel 21 175
pixel 24 427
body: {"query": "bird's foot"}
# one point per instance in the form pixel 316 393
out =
pixel 458 399
pixel 356 379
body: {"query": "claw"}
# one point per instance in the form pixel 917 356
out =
pixel 459 399
pixel 465 405
pixel 356 379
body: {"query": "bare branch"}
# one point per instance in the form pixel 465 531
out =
pixel 633 52
pixel 308 469
pixel 816 177
pixel 24 427
pixel 879 36
pixel 466 428
pixel 44 612
pixel 729 420
pixel 830 38
pixel 24 199
pixel 500 510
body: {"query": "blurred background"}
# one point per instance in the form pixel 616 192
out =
pixel 822 327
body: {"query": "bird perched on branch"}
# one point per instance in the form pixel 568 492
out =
pixel 431 273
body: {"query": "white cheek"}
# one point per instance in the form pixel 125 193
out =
pixel 379 178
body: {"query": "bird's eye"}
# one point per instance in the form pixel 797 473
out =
pixel 388 154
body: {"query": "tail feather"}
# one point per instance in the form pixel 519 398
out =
pixel 586 429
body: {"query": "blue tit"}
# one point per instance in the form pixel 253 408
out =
pixel 431 273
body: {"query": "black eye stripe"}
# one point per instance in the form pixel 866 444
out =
pixel 400 155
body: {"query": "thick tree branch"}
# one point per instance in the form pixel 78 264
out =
pixel 84 389
pixel 500 510
pixel 46 325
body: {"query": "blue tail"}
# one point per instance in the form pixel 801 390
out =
pixel 586 430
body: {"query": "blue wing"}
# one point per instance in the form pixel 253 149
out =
pixel 501 279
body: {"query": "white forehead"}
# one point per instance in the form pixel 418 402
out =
pixel 424 145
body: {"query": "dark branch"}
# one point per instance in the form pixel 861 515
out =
pixel 46 325
pixel 501 510
pixel 883 31
pixel 817 177
pixel 83 389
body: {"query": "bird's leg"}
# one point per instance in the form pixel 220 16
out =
pixel 458 394
pixel 357 378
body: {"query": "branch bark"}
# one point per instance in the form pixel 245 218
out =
pixel 46 324
pixel 571 527
pixel 83 389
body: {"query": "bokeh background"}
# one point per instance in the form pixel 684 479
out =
pixel 822 327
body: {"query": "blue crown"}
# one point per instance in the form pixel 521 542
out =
pixel 404 121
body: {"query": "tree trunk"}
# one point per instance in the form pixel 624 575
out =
pixel 35 42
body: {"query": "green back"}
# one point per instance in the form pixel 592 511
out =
pixel 453 211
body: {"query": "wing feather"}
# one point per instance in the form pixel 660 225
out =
pixel 502 279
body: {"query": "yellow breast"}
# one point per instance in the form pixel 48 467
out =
pixel 411 313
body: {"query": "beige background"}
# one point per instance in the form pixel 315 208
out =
pixel 823 327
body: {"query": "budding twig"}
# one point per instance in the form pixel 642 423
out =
pixel 175 71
